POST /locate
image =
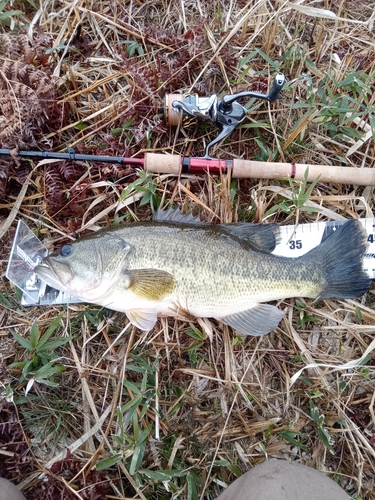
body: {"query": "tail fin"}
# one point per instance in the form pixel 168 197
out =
pixel 340 257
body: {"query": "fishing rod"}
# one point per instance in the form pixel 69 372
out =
pixel 251 169
pixel 225 113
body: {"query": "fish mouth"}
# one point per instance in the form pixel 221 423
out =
pixel 47 273
pixel 60 277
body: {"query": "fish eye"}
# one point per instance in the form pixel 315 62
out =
pixel 66 250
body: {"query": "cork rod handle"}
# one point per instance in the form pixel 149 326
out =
pixel 172 164
pixel 326 173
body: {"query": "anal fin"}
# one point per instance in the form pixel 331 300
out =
pixel 257 321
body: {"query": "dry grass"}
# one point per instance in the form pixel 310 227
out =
pixel 202 409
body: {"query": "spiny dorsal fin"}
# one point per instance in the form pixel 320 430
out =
pixel 150 284
pixel 175 215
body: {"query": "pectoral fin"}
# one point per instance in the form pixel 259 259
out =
pixel 259 320
pixel 150 284
pixel 144 319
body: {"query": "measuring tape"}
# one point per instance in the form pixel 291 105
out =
pixel 28 251
pixel 298 240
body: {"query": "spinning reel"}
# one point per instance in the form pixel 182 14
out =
pixel 225 113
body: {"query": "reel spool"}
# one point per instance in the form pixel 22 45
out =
pixel 173 116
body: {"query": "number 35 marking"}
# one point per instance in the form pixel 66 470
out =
pixel 295 244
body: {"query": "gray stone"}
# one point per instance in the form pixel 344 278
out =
pixel 8 491
pixel 283 480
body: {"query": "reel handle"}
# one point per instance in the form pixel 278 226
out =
pixel 273 94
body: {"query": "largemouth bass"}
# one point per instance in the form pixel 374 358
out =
pixel 176 264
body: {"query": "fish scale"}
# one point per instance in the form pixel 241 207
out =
pixel 220 279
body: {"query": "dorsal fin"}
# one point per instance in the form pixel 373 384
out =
pixel 175 215
pixel 260 237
